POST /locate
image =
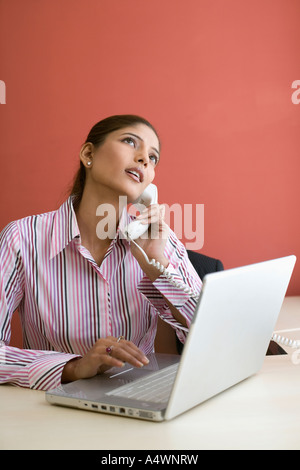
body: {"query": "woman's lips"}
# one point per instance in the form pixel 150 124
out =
pixel 136 174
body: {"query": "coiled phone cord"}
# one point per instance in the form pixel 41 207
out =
pixel 295 344
pixel 186 289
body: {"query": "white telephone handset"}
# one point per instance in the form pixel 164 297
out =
pixel 135 229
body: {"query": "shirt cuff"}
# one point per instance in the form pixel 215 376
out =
pixel 44 373
pixel 161 289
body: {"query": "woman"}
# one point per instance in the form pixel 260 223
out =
pixel 87 298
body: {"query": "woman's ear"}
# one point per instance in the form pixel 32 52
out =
pixel 86 154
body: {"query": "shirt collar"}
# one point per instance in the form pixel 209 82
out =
pixel 125 219
pixel 65 227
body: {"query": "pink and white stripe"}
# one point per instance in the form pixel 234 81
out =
pixel 66 301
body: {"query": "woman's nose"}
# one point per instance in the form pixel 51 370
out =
pixel 142 157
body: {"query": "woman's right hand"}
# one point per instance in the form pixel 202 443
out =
pixel 98 359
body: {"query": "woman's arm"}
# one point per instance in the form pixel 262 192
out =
pixel 25 368
pixel 173 304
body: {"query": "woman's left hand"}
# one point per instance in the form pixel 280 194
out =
pixel 154 240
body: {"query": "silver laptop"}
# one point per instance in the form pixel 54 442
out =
pixel 227 342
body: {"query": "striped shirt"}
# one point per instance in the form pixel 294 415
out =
pixel 66 302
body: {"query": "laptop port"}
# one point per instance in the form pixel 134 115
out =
pixel 103 407
pixel 112 409
pixel 122 410
pixel 146 414
pixel 94 406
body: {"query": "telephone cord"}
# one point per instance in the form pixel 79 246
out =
pixel 186 289
pixel 295 344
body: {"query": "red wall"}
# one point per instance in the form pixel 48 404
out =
pixel 214 76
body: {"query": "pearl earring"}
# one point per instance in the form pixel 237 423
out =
pixel 89 163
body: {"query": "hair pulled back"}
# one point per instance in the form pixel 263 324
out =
pixel 97 136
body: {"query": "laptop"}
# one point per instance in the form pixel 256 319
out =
pixel 227 343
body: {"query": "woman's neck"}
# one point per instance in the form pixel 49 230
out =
pixel 98 218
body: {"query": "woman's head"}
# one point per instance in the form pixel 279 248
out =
pixel 97 137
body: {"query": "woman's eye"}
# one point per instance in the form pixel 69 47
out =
pixel 130 141
pixel 154 159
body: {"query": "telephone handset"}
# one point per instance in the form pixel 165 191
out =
pixel 136 229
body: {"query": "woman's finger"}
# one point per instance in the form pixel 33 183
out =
pixel 152 214
pixel 126 351
pixel 122 351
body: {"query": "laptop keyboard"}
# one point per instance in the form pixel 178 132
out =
pixel 155 387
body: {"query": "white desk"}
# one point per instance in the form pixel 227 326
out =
pixel 263 412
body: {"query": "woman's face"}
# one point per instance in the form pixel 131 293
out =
pixel 124 164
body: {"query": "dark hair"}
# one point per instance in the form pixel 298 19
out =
pixel 97 136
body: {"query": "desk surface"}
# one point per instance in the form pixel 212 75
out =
pixel 262 412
